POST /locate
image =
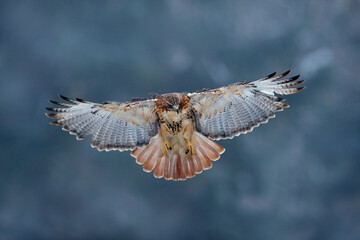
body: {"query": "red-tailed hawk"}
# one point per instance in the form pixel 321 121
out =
pixel 172 134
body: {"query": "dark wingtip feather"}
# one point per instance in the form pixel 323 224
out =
pixel 270 75
pixel 63 97
pixel 294 78
pixel 54 123
pixel 59 103
pixel 300 88
pixel 300 82
pixel 285 105
pixel 80 100
pixel 50 109
pixel 66 98
pixel 51 115
pixel 285 73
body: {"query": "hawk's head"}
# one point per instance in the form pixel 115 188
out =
pixel 173 101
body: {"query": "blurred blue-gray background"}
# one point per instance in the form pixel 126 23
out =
pixel 296 177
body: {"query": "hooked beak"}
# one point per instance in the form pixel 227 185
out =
pixel 176 108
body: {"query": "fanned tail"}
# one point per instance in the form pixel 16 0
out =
pixel 176 164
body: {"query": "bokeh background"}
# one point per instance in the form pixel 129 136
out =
pixel 296 177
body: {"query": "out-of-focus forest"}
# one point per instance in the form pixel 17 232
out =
pixel 296 177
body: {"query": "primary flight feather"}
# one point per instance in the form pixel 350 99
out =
pixel 172 134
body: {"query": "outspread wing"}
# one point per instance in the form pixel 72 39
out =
pixel 113 125
pixel 238 108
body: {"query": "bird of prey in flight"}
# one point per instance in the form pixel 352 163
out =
pixel 172 135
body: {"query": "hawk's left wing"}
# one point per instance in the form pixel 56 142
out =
pixel 113 125
pixel 229 111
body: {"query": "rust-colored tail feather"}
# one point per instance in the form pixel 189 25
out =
pixel 211 145
pixel 159 170
pixel 176 164
pixel 188 166
pixel 175 169
pixel 197 164
pixel 150 164
pixel 204 159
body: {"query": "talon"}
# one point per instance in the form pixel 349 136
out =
pixel 189 148
pixel 167 146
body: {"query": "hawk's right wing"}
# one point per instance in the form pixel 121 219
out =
pixel 113 125
pixel 237 108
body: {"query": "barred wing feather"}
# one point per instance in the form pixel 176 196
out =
pixel 238 108
pixel 113 125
